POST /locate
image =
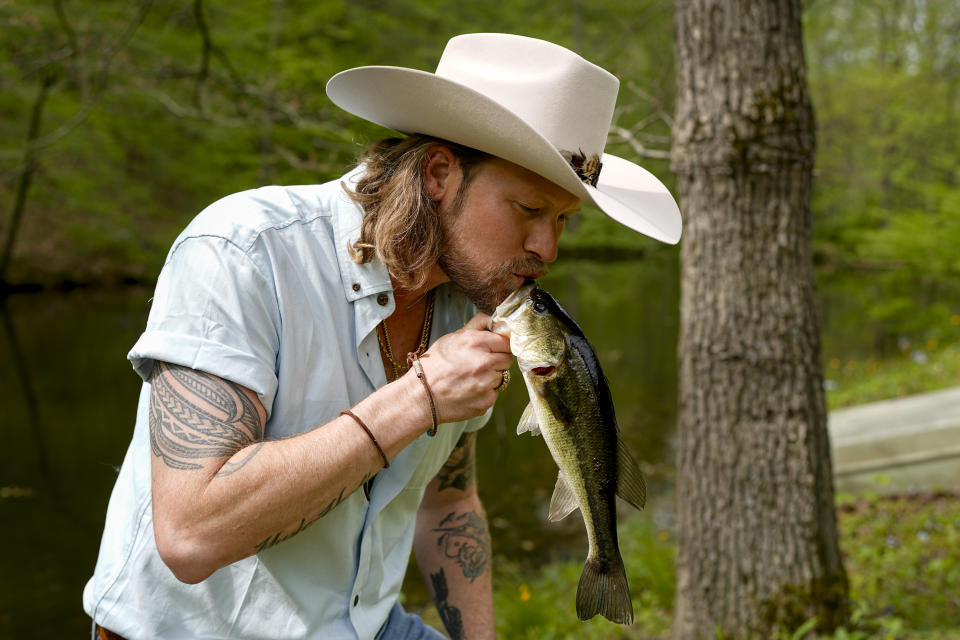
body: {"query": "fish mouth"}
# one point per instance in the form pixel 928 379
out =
pixel 498 321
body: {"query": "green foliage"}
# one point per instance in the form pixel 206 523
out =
pixel 158 108
pixel 900 554
pixel 537 606
pixel 885 78
pixel 928 367
pixel 154 114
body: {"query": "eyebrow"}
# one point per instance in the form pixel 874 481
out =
pixel 540 199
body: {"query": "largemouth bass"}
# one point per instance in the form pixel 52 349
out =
pixel 571 407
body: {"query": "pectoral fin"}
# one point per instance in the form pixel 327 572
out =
pixel 563 501
pixel 528 421
pixel 630 483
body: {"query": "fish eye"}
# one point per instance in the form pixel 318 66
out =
pixel 539 307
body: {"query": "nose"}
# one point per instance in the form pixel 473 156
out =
pixel 542 238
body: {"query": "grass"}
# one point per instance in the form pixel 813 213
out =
pixel 542 606
pixel 901 557
pixel 929 368
pixel 900 554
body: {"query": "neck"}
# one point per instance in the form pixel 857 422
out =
pixel 407 329
pixel 407 299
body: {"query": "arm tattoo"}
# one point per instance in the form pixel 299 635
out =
pixel 280 536
pixel 457 471
pixel 195 416
pixel 230 467
pixel 449 614
pixel 465 538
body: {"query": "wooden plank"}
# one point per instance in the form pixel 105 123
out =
pixel 909 442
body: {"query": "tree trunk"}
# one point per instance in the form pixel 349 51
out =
pixel 757 542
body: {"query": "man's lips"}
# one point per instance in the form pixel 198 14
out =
pixel 529 276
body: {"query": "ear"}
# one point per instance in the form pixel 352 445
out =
pixel 441 173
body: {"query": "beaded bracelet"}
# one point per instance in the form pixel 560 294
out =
pixel 413 359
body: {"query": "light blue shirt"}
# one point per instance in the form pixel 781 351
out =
pixel 259 289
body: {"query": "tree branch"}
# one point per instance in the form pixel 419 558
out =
pixel 29 166
pixel 90 98
pixel 626 135
pixel 205 53
pixel 65 25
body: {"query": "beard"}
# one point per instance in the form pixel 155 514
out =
pixel 485 286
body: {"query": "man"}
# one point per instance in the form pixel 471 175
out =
pixel 288 453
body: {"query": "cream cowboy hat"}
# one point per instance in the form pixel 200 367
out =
pixel 528 101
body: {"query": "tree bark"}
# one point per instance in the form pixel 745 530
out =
pixel 757 547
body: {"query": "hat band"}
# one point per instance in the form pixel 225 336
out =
pixel 587 169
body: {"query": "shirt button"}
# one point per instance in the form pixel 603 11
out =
pixel 356 599
pixel 356 286
pixel 383 299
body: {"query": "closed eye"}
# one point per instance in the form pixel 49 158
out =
pixel 528 209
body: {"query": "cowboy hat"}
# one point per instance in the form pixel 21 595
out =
pixel 528 101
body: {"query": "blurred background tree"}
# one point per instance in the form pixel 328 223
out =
pixel 156 108
pixel 885 79
pixel 159 108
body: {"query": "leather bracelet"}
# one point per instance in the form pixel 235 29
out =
pixel 413 359
pixel 347 412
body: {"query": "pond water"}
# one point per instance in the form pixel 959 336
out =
pixel 69 399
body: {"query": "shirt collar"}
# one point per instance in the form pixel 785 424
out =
pixel 358 280
pixel 372 278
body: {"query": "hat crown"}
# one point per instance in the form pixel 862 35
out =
pixel 567 99
pixel 533 103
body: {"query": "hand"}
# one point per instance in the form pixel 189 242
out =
pixel 463 367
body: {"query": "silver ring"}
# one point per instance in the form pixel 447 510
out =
pixel 504 381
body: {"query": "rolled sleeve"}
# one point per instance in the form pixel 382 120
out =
pixel 214 310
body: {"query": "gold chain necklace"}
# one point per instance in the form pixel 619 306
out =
pixel 399 368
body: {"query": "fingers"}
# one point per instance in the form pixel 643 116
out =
pixel 478 322
pixel 465 367
pixel 494 342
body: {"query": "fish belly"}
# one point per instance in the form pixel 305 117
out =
pixel 585 451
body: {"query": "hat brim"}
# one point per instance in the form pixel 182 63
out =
pixel 414 101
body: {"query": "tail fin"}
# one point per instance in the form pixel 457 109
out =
pixel 603 590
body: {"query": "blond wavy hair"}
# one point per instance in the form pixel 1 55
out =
pixel 401 224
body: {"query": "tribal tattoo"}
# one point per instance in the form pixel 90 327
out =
pixel 195 417
pixel 449 614
pixel 457 472
pixel 464 538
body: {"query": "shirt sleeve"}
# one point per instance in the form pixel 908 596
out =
pixel 214 310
